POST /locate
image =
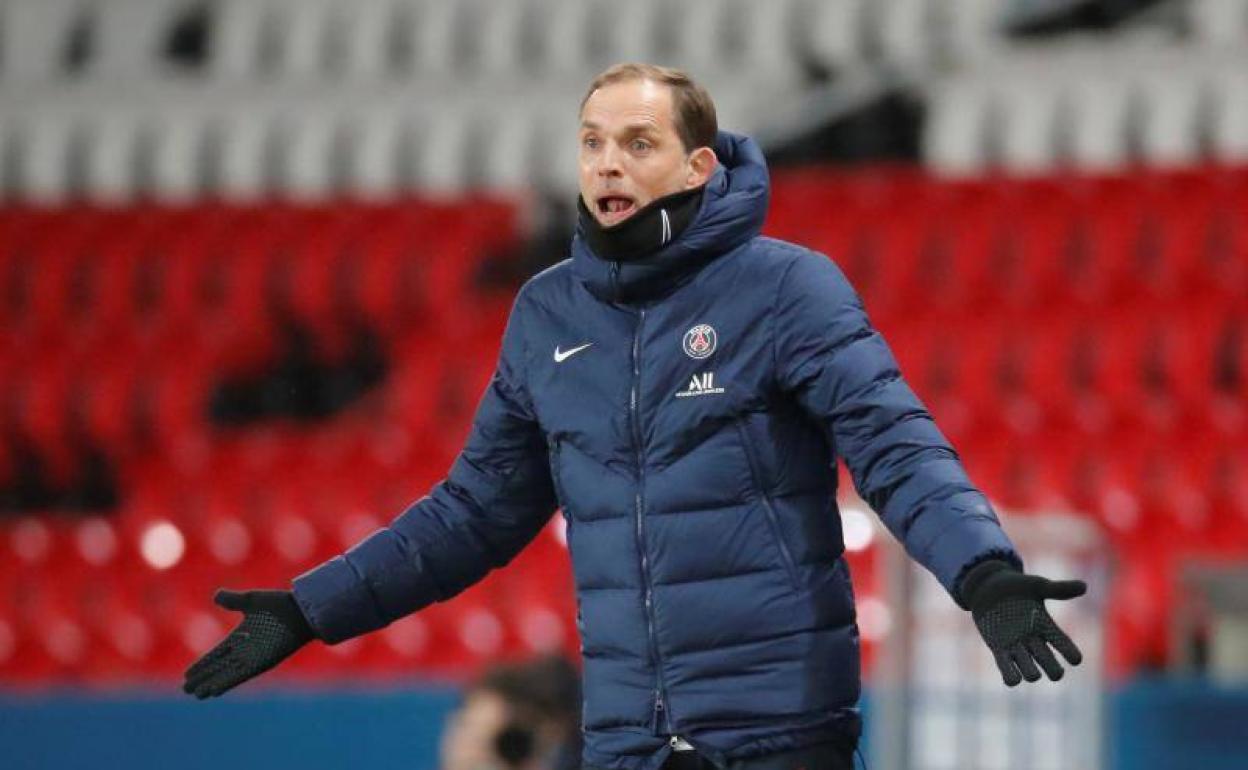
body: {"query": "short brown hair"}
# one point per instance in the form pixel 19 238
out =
pixel 696 123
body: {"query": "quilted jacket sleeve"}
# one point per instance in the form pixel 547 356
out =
pixel 496 498
pixel 843 374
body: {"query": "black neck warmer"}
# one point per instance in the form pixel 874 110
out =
pixel 655 225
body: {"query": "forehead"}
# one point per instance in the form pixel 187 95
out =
pixel 484 706
pixel 628 103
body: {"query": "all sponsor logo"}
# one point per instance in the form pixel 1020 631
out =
pixel 701 385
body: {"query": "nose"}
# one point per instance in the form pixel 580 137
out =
pixel 609 162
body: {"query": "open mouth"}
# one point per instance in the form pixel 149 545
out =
pixel 615 208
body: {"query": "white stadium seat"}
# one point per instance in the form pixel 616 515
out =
pixel 435 29
pixel 43 167
pixel 956 133
pixel 556 167
pixel 903 31
pixel 1222 22
pixel 33 37
pixel 570 40
pixel 969 30
pixel 830 32
pixel 770 37
pixel 1229 129
pixel 129 35
pixel 374 141
pixel 1171 102
pixel 698 26
pixel 634 29
pixel 441 144
pixel 499 40
pixel 1100 105
pixel 241 141
pixel 303 148
pixel 360 47
pixel 177 154
pixel 110 143
pixel 238 37
pixel 10 151
pixel 301 29
pixel 505 147
pixel 1029 123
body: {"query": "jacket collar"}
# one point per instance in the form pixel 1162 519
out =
pixel 733 208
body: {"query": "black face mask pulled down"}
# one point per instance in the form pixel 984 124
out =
pixel 654 226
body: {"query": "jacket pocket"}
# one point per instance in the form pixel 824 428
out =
pixel 773 519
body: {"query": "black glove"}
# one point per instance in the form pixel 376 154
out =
pixel 1008 607
pixel 273 628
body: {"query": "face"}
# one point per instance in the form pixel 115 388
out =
pixel 468 742
pixel 630 153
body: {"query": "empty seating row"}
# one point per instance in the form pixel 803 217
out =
pixel 125 401
pixel 252 143
pixel 1043 109
pixel 248 141
pixel 913 243
pixel 87 272
pixel 147 615
pixel 476 38
pixel 125 331
pixel 1122 373
pixel 1114 376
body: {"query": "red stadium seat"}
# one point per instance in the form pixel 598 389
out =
pixel 384 274
pixel 1101 252
pixel 106 393
pixel 185 274
pixel 41 400
pixel 174 401
pixel 54 260
pixel 1037 216
pixel 309 275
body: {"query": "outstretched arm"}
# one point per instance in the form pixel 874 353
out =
pixel 495 500
pixel 844 375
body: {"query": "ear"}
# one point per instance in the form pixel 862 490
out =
pixel 702 162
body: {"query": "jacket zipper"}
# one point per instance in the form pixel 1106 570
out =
pixel 555 447
pixel 554 475
pixel 660 696
pixel 790 566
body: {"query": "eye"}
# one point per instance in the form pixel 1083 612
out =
pixel 590 141
pixel 640 145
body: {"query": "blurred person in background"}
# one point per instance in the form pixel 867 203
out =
pixel 517 716
pixel 683 387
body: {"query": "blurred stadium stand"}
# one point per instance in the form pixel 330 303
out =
pixel 240 240
pixel 253 98
pixel 151 352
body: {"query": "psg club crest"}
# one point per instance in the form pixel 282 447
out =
pixel 700 341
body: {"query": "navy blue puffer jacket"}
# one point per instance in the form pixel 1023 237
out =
pixel 687 412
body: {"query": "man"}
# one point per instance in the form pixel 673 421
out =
pixel 517 716
pixel 682 387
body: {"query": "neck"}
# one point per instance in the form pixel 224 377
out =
pixel 654 226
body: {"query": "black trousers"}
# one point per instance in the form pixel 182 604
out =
pixel 829 756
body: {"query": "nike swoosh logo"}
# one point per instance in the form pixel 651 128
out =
pixel 562 355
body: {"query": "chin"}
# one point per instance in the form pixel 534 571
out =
pixel 607 220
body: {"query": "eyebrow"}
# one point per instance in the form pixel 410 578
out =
pixel 633 128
